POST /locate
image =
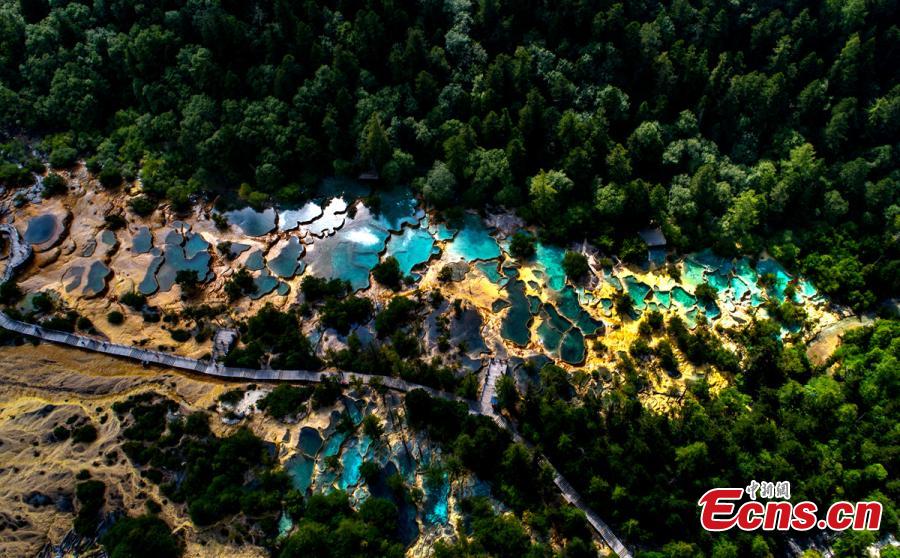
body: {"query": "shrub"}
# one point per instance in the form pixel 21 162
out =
pixel 666 357
pixel 91 495
pixel 372 427
pixel 60 323
pixel 220 221
pixel 142 205
pixel 54 185
pixel 133 299
pixel 388 273
pixel 623 304
pixel 240 283
pixel 187 279
pixel 522 245
pixel 705 293
pixel 180 335
pixel 655 320
pixel 10 293
pixel 84 324
pixel 640 349
pixel 634 251
pixel 575 265
pixel 84 434
pixel 115 222
pixel 232 397
pixel 110 177
pixel 342 314
pixel 398 313
pixel 63 157
pixel 115 318
pixel 284 400
pixel 141 537
pixel 12 175
pixel 42 302
pixel 316 289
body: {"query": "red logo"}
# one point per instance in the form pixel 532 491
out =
pixel 721 509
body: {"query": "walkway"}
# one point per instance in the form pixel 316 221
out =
pixel 212 368
pixel 495 369
pixel 19 252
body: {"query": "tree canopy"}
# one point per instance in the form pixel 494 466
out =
pixel 730 125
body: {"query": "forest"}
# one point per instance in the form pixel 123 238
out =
pixel 738 125
pixel 833 434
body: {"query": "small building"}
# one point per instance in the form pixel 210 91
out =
pixel 654 238
pixel 656 246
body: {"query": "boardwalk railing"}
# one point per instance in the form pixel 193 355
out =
pixel 212 368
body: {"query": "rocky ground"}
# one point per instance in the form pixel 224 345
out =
pixel 43 387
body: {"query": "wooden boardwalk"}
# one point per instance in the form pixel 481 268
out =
pixel 495 369
pixel 212 368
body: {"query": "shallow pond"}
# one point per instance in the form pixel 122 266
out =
pixel 96 279
pixel 491 270
pixel 396 208
pixel 437 498
pixel 287 262
pixel 149 285
pixel 684 298
pixel 514 326
pixel 108 237
pixel 571 349
pixel 310 441
pixel 175 260
pixel 637 291
pixel 473 241
pixel 551 329
pixel 332 219
pixel 440 231
pixel 663 298
pixel 694 273
pixel 412 247
pixel 41 229
pixel 195 244
pixel 265 283
pixel 255 261
pixel 770 266
pixel 253 222
pixel 550 258
pixel 292 218
pixel 300 469
pixel 351 460
pixel 567 304
pixel 142 241
pixel 351 252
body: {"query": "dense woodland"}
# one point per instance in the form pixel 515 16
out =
pixel 831 432
pixel 742 125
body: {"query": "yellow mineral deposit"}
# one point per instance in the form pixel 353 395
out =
pixel 33 401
